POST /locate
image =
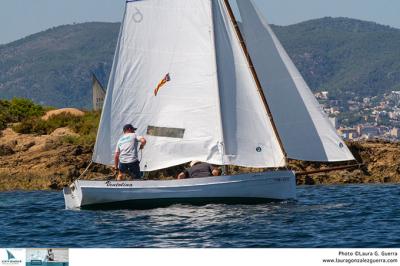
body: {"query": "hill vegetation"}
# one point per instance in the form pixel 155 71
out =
pixel 18 110
pixel 344 56
pixel 54 67
pixel 25 117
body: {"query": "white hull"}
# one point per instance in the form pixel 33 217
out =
pixel 245 188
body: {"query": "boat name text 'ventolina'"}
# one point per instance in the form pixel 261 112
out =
pixel 114 184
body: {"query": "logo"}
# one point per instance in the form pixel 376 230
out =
pixel 118 184
pixel 137 16
pixel 10 255
pixel 11 259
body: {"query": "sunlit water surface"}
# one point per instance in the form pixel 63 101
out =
pixel 323 216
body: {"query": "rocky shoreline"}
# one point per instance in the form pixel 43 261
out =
pixel 31 162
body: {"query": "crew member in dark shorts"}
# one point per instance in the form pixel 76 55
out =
pixel 126 153
pixel 50 255
pixel 198 169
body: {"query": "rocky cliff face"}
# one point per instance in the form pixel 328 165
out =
pixel 41 162
pixel 32 162
pixel 380 164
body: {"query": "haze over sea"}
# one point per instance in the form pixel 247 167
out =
pixel 353 216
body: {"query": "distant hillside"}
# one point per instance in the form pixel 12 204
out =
pixel 53 67
pixel 343 56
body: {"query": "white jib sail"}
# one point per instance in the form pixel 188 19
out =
pixel 249 137
pixel 183 122
pixel 303 127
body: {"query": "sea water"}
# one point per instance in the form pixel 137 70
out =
pixel 352 216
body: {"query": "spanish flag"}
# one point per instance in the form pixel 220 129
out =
pixel 162 83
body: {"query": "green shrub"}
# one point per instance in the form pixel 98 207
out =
pixel 86 126
pixel 70 140
pixel 4 114
pixel 27 118
pixel 31 126
pixel 3 122
pixel 62 120
pixel 18 110
pixel 85 140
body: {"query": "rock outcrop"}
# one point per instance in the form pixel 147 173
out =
pixel 42 162
pixel 380 164
pixel 30 162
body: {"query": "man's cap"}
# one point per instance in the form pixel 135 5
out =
pixel 129 127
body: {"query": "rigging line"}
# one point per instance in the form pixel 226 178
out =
pixel 326 170
pixel 255 76
pixel 85 171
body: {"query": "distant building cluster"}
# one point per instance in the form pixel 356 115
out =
pixel 366 132
pixel 364 118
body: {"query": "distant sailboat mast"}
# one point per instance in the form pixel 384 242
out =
pixel 254 74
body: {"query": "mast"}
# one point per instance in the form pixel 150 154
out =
pixel 254 74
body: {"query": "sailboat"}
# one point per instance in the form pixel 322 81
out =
pixel 229 95
pixel 98 93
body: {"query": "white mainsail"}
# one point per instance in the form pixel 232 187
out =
pixel 208 110
pixel 157 38
pixel 303 127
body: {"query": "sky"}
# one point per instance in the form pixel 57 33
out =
pixel 20 18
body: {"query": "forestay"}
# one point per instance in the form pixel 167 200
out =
pixel 302 125
pixel 206 108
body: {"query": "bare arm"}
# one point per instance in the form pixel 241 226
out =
pixel 116 160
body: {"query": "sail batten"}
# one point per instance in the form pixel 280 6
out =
pixel 302 125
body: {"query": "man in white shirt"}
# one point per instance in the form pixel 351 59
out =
pixel 126 153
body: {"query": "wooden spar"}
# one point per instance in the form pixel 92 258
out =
pixel 255 76
pixel 329 169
